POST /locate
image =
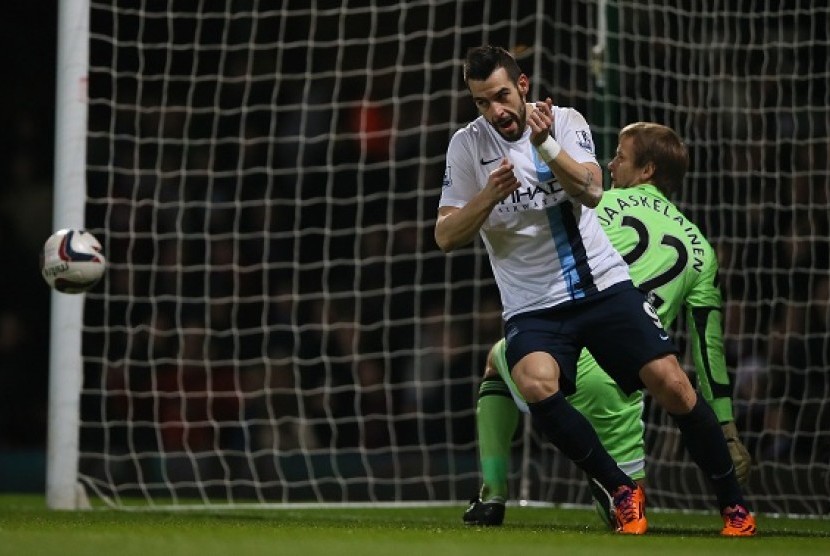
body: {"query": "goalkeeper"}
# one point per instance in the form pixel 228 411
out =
pixel 669 257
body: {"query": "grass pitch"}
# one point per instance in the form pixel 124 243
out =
pixel 28 528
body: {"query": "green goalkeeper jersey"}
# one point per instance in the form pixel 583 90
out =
pixel 669 257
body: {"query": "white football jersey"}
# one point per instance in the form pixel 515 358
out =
pixel 545 249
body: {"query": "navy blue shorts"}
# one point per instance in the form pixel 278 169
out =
pixel 618 326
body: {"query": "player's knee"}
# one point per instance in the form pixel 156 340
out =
pixel 668 384
pixel 536 391
pixel 536 378
pixel 490 369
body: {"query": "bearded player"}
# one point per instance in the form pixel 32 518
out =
pixel 668 257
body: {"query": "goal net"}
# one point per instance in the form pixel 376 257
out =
pixel 277 324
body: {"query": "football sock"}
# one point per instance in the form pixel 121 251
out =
pixel 574 436
pixel 703 437
pixel 496 419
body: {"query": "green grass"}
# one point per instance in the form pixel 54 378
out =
pixel 27 528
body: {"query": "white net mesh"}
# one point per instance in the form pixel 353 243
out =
pixel 277 324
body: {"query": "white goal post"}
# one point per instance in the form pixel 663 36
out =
pixel 63 490
pixel 277 326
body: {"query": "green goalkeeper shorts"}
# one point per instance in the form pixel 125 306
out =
pixel 617 418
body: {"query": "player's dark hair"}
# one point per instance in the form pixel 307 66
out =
pixel 664 148
pixel 484 60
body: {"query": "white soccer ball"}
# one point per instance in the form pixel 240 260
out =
pixel 71 261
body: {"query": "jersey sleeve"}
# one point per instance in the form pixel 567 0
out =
pixel 459 183
pixel 704 319
pixel 573 133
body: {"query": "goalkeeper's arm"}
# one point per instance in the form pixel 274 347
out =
pixel 706 332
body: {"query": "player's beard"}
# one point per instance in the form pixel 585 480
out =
pixel 517 130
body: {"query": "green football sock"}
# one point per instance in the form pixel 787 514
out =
pixel 496 419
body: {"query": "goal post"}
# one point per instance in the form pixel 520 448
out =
pixel 277 326
pixel 65 365
pixel 604 106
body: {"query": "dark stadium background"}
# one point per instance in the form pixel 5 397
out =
pixel 27 43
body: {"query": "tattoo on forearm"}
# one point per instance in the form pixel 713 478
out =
pixel 589 180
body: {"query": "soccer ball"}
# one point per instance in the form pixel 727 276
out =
pixel 71 261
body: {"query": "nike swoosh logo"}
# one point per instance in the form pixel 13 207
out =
pixel 486 162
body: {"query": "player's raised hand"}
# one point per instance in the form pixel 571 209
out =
pixel 502 181
pixel 540 120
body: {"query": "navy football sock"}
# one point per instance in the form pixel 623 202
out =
pixel 573 434
pixel 704 439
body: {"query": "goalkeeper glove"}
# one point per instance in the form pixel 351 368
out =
pixel 740 455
